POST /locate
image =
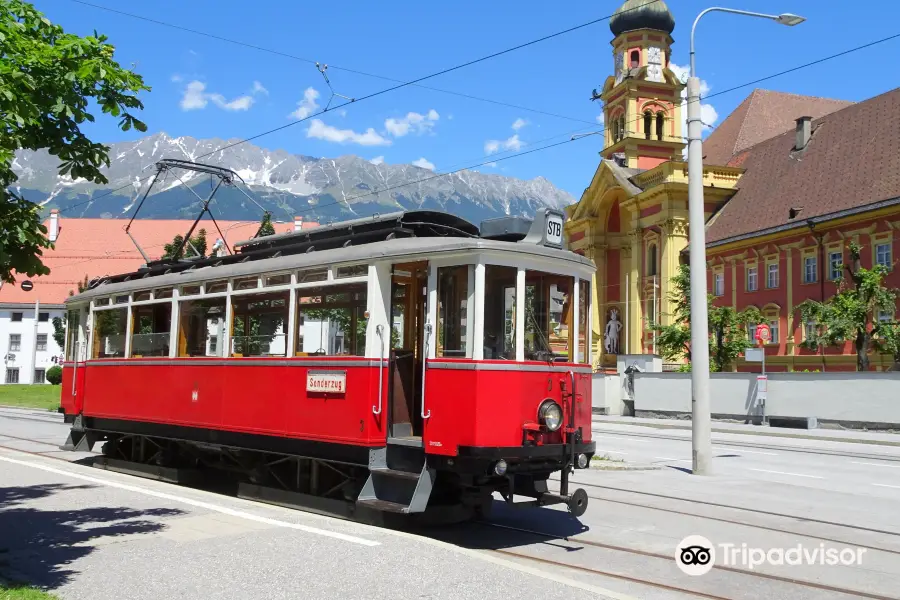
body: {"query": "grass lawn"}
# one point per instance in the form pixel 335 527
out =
pixel 17 592
pixel 44 396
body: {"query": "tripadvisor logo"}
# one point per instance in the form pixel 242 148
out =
pixel 696 555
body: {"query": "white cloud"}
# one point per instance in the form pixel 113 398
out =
pixel 512 143
pixel 491 164
pixel 423 163
pixel 321 131
pixel 519 124
pixel 342 112
pixel 308 105
pixel 601 119
pixel 412 122
pixel 259 89
pixel 378 160
pixel 196 97
pixel 176 78
pixel 708 114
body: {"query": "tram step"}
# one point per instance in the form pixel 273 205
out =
pixel 395 473
pixel 383 505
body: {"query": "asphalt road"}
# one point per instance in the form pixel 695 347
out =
pixel 88 533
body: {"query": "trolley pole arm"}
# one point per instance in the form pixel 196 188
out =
pixel 200 216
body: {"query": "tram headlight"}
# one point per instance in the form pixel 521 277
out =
pixel 550 414
pixel 500 467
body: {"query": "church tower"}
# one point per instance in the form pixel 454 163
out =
pixel 642 99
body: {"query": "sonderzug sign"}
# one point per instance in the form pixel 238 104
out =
pixel 323 382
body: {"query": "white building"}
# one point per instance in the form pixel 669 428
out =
pixel 27 345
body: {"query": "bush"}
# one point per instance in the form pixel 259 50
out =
pixel 54 375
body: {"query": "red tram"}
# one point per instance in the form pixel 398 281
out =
pixel 395 363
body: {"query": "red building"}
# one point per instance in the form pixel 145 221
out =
pixel 805 194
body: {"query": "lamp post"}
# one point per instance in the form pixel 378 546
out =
pixel 700 412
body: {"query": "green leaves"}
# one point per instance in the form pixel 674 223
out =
pixel 48 79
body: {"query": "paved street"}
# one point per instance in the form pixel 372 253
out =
pixel 88 533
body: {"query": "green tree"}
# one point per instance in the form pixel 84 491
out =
pixel 265 225
pixel 888 341
pixel 728 337
pixel 187 250
pixel 48 78
pixel 851 314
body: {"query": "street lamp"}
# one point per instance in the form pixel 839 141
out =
pixel 700 412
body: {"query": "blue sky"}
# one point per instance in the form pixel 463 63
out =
pixel 208 88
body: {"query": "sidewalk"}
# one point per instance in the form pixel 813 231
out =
pixel 831 435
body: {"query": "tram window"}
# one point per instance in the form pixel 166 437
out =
pixel 217 287
pixel 500 312
pixel 122 299
pixel 258 324
pixel 584 303
pixel 351 271
pixel 110 327
pixel 162 293
pixel 332 321
pixel 141 296
pixel 248 283
pixel 101 302
pixel 73 323
pixel 200 321
pixel 453 295
pixel 548 311
pixel 312 275
pixel 283 279
pixel 151 325
pixel 190 290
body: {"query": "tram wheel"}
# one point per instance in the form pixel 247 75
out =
pixel 578 502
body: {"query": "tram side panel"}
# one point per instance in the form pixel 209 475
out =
pixel 269 400
pixel 485 408
pixel 70 402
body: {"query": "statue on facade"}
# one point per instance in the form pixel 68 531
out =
pixel 611 333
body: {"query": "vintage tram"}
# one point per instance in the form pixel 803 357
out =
pixel 406 363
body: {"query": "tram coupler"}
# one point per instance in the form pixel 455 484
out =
pixel 524 485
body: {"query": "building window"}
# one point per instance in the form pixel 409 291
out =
pixel 835 264
pixel 39 376
pixel 42 342
pixel 43 317
pixel 17 316
pixel 883 255
pixel 635 59
pixel 660 125
pixel 648 124
pixel 810 270
pixel 15 342
pixel 752 279
pixel 809 330
pixel 12 375
pixel 652 260
pixel 773 327
pixel 622 128
pixel 885 316
pixel 719 284
pixel 772 275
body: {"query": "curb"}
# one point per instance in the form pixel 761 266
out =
pixel 608 465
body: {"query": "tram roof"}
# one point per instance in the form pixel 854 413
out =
pixel 401 234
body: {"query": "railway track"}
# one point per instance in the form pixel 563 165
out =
pixel 669 559
pixel 54 452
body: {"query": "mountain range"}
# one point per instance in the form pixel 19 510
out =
pixel 287 185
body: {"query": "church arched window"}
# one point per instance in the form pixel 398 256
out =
pixel 622 128
pixel 635 59
pixel 660 124
pixel 648 124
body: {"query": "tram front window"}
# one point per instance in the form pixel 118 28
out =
pixel 499 313
pixel 453 294
pixel 548 311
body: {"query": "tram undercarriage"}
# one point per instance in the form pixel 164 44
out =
pixel 373 494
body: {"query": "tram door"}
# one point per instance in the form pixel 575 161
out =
pixel 409 283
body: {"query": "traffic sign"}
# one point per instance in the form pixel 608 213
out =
pixel 763 333
pixel 27 285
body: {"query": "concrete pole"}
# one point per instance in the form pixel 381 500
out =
pixel 700 414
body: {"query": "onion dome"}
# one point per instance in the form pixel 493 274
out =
pixel 642 14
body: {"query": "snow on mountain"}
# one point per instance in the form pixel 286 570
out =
pixel 286 184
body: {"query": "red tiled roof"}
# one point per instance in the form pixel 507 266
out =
pixel 761 116
pixel 96 247
pixel 852 159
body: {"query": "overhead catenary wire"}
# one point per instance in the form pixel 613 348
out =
pixel 728 90
pixel 336 67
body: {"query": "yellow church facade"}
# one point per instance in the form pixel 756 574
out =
pixel 632 220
